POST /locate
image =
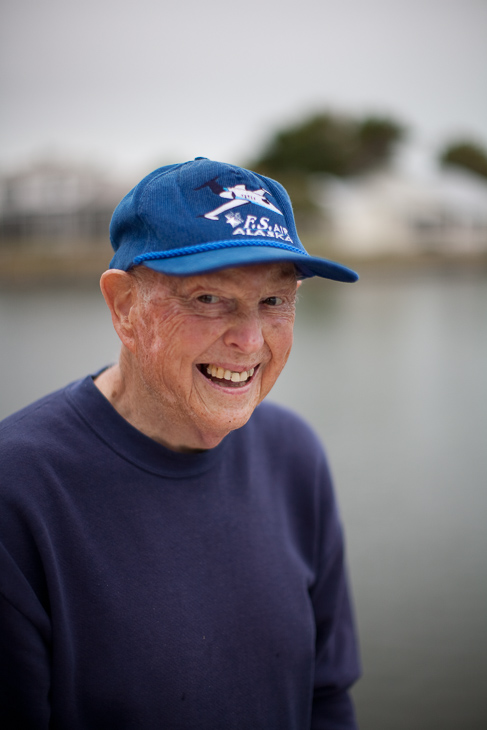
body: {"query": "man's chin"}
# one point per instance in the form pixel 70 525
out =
pixel 214 431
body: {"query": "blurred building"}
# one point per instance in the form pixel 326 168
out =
pixel 56 206
pixel 396 212
pixel 56 203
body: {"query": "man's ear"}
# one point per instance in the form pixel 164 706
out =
pixel 119 290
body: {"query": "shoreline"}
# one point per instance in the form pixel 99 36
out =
pixel 30 267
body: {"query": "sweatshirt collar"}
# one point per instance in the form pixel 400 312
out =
pixel 130 443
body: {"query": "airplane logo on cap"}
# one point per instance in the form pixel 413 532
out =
pixel 238 195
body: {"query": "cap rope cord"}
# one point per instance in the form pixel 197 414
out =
pixel 201 248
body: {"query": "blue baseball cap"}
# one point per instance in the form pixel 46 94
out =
pixel 202 216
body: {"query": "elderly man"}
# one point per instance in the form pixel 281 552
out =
pixel 171 553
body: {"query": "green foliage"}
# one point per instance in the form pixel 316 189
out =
pixel 377 139
pixel 466 155
pixel 327 143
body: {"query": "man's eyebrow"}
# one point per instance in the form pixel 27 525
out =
pixel 285 276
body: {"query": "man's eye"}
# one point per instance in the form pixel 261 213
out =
pixel 273 301
pixel 208 299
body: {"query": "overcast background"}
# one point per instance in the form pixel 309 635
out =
pixel 130 85
pixel 391 371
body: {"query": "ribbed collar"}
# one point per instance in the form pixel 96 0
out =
pixel 129 443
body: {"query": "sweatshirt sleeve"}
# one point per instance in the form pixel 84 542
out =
pixel 24 652
pixel 337 662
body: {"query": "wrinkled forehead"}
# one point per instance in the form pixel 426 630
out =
pixel 270 273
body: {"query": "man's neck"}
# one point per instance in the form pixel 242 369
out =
pixel 129 403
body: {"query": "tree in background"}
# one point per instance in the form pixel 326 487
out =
pixel 332 144
pixel 328 144
pixel 466 155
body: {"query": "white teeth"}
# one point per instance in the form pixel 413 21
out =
pixel 234 376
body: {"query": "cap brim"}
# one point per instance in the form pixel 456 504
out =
pixel 224 258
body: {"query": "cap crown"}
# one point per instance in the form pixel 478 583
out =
pixel 200 203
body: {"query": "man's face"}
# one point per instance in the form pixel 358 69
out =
pixel 209 348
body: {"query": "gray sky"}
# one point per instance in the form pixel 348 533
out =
pixel 131 85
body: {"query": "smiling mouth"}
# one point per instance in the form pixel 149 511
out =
pixel 228 378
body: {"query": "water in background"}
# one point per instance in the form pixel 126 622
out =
pixel 392 372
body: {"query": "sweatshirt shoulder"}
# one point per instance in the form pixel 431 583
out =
pixel 283 427
pixel 36 429
pixel 34 417
pixel 269 412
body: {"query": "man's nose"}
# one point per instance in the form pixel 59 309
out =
pixel 245 333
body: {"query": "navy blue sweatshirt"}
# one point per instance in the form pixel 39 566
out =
pixel 146 589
